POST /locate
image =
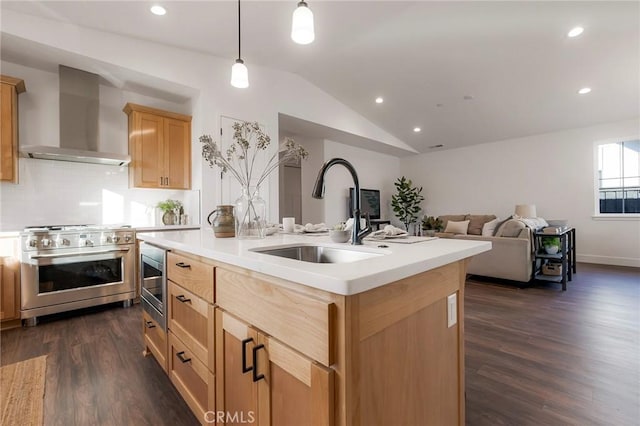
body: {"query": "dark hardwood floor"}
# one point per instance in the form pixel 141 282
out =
pixel 96 374
pixel 535 356
pixel 541 356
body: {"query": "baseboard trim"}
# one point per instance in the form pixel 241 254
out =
pixel 608 260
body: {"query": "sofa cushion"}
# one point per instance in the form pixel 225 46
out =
pixel 499 224
pixel 489 228
pixel 454 217
pixel 477 221
pixel 457 227
pixel 510 228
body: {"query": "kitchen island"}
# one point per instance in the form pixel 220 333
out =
pixel 272 340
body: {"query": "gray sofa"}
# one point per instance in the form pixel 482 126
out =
pixel 511 254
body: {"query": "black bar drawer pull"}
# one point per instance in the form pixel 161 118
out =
pixel 149 324
pixel 256 377
pixel 181 357
pixel 183 299
pixel 183 265
pixel 245 369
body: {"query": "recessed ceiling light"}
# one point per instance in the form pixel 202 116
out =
pixel 417 129
pixel 584 90
pixel 575 32
pixel 379 100
pixel 158 10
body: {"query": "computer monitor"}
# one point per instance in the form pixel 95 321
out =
pixel 369 203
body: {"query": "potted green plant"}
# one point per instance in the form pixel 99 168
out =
pixel 171 211
pixel 431 225
pixel 551 244
pixel 406 203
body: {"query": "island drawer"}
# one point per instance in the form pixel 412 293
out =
pixel 191 319
pixel 298 320
pixel 155 340
pixel 192 378
pixel 192 274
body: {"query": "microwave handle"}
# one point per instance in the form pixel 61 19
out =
pixel 77 253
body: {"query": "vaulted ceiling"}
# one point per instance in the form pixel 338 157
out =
pixel 464 72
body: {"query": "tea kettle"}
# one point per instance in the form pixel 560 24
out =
pixel 223 223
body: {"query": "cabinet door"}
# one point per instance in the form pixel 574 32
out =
pixel 236 393
pixel 177 148
pixel 155 340
pixel 194 381
pixel 149 154
pixel 294 390
pixel 191 320
pixel 8 133
pixel 9 285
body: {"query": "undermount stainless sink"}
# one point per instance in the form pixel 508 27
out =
pixel 317 254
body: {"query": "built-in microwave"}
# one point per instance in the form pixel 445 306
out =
pixel 153 282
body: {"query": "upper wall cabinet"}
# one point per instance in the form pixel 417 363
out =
pixel 160 148
pixel 11 87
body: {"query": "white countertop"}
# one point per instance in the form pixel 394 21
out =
pixel 165 228
pixel 398 260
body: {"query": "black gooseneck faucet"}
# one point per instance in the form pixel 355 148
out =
pixel 357 234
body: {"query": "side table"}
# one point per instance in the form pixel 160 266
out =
pixel 566 257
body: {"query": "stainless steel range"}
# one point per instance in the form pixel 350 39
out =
pixel 72 267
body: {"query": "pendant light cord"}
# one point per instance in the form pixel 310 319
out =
pixel 239 54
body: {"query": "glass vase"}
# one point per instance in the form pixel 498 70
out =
pixel 251 213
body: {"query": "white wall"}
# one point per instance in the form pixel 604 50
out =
pixel 53 192
pixel 554 171
pixel 271 92
pixel 375 171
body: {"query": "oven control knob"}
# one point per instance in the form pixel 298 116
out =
pixel 116 239
pixel 127 238
pixel 33 243
pixel 88 243
pixel 46 242
pixel 63 242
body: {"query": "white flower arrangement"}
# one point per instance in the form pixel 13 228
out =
pixel 240 157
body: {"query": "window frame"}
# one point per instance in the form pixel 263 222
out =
pixel 596 182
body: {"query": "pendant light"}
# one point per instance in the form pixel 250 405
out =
pixel 239 72
pixel 302 24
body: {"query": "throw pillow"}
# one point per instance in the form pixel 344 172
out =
pixel 457 227
pixel 454 217
pixel 510 228
pixel 499 225
pixel 477 221
pixel 489 228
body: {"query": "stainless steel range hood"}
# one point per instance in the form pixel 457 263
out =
pixel 79 111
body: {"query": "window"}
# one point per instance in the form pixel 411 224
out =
pixel 619 177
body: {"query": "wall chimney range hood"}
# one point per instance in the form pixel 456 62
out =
pixel 79 111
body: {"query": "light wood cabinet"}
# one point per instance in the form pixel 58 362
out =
pixel 245 347
pixel 160 148
pixel 192 378
pixel 9 291
pixel 191 274
pixel 191 319
pixel 262 381
pixel 155 340
pixel 10 88
pixel 191 332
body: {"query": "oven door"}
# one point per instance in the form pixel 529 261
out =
pixel 72 276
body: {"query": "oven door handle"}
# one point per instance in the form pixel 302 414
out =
pixel 78 253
